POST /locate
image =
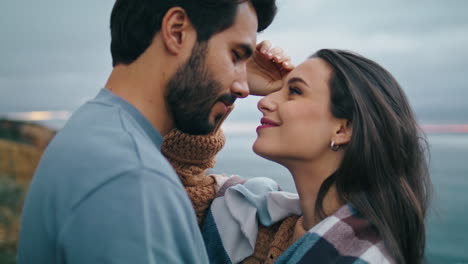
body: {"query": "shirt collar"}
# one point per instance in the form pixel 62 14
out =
pixel 107 96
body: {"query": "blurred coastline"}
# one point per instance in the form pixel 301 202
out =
pixel 24 136
pixel 21 146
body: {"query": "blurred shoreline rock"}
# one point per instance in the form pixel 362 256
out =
pixel 26 132
pixel 21 147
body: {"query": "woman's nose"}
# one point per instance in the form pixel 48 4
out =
pixel 267 104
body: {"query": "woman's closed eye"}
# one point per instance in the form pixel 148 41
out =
pixel 294 90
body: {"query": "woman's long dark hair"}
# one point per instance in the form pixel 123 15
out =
pixel 384 172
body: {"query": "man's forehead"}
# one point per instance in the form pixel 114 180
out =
pixel 245 24
pixel 243 31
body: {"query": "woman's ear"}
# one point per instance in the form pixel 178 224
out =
pixel 177 31
pixel 343 133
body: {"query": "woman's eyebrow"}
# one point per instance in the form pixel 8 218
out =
pixel 297 79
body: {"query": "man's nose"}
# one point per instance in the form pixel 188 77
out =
pixel 240 89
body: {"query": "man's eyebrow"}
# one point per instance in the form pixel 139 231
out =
pixel 297 79
pixel 246 49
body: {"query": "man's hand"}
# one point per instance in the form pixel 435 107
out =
pixel 267 68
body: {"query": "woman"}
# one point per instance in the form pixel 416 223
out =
pixel 343 127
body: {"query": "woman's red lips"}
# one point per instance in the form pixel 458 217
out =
pixel 267 123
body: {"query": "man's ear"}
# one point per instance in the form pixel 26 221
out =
pixel 343 132
pixel 176 30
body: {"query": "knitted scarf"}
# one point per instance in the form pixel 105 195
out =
pixel 192 156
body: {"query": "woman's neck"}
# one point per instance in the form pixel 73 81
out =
pixel 308 177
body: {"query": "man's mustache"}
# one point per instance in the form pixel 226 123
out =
pixel 227 99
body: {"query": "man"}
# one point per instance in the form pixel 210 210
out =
pixel 103 193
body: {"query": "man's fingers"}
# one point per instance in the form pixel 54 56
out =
pixel 264 46
pixel 287 64
pixel 277 54
pixel 280 58
pixel 277 50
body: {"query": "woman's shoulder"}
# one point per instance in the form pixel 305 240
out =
pixel 345 236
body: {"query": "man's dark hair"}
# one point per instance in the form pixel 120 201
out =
pixel 135 22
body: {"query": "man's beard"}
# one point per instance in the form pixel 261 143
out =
pixel 192 92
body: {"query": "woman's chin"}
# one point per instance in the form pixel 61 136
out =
pixel 262 151
pixel 257 149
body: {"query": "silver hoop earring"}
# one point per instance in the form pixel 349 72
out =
pixel 334 147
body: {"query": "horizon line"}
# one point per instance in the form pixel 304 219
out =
pixel 233 126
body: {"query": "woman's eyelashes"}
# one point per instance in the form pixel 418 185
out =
pixel 294 90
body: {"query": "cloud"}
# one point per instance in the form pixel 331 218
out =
pixel 52 91
pixel 367 16
pixel 423 44
pixel 55 54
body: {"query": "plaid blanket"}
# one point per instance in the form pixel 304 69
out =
pixel 231 226
pixel 344 237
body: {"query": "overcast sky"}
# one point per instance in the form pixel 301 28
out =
pixel 55 53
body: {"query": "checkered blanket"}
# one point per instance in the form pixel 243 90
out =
pixel 344 237
pixel 231 226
